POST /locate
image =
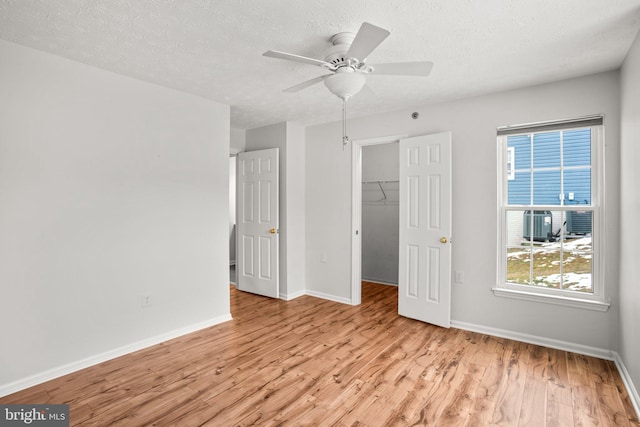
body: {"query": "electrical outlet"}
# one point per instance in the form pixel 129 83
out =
pixel 458 276
pixel 146 300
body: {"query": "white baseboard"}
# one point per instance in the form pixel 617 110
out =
pixel 293 295
pixel 628 383
pixel 6 389
pixel 328 297
pixel 534 339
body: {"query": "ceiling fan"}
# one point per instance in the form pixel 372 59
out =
pixel 346 59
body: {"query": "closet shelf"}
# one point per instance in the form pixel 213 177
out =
pixel 381 203
pixel 391 181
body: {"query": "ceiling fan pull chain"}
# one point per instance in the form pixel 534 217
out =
pixel 345 138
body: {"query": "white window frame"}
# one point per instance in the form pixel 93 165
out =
pixel 595 300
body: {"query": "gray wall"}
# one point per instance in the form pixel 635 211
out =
pixel 380 218
pixel 630 215
pixel 110 189
pixel 473 125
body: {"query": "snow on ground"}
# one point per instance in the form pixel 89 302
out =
pixel 577 282
pixel 582 244
pixel 571 249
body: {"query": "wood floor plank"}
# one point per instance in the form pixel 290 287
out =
pixel 313 362
pixel 558 366
pixel 584 398
pixel 509 397
pixel 610 406
pixel 534 403
pixel 559 414
pixel 481 412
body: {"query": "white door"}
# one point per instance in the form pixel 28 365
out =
pixel 424 282
pixel 257 222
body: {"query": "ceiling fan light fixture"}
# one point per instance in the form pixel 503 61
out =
pixel 345 83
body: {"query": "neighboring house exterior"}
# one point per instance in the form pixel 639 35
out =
pixel 550 169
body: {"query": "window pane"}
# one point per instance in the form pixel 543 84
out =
pixel 520 189
pixel 546 150
pixel 546 187
pixel 515 228
pixel 547 257
pixel 510 163
pixel 577 186
pixel 519 265
pixel 521 145
pixel 519 250
pixel 546 265
pixel 519 184
pixel 577 270
pixel 576 148
pixel 578 252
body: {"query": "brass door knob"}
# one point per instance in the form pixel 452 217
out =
pixel 272 231
pixel 443 240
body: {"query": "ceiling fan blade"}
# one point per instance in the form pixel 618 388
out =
pixel 366 89
pixel 404 68
pixel 367 39
pixel 297 58
pixel 306 84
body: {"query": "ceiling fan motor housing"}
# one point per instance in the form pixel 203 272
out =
pixel 341 43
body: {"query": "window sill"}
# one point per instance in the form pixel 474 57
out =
pixel 552 299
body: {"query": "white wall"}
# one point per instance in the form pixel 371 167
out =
pixel 289 138
pixel 473 124
pixel 630 214
pixel 110 189
pixel 380 219
pixel 238 139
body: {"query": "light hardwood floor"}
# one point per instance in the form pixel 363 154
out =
pixel 319 363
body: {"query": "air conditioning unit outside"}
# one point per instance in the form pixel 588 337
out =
pixel 541 228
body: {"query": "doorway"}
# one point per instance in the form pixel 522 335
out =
pixel 232 218
pixel 424 279
pixel 356 209
pixel 380 213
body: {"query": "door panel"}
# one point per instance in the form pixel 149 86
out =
pixel 424 288
pixel 257 229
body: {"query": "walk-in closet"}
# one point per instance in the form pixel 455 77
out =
pixel 380 213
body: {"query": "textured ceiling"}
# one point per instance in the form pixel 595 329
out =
pixel 213 48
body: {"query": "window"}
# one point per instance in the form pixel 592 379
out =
pixel 550 212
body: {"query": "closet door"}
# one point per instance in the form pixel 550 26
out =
pixel 424 288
